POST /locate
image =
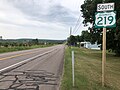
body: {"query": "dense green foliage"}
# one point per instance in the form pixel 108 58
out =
pixel 85 36
pixel 113 34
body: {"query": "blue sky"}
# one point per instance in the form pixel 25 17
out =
pixel 43 19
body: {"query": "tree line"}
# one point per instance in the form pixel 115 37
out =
pixel 27 42
pixel 75 40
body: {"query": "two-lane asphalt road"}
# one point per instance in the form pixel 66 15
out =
pixel 32 69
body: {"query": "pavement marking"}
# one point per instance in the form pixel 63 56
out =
pixel 17 55
pixel 24 61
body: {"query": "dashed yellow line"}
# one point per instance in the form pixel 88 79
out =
pixel 17 55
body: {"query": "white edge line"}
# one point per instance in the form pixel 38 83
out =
pixel 23 62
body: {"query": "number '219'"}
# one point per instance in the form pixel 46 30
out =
pixel 101 22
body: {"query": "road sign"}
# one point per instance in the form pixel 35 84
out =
pixel 105 7
pixel 105 19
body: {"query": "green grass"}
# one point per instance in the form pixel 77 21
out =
pixel 88 71
pixel 18 48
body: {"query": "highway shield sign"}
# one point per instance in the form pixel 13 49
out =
pixel 105 19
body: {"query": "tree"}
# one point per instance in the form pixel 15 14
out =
pixel 113 35
pixel 35 41
pixel 72 40
pixel 85 35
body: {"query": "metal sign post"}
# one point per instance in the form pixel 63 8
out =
pixel 105 19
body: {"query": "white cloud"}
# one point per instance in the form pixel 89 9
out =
pixel 73 5
pixel 48 19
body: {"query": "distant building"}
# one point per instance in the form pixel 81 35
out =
pixel 90 46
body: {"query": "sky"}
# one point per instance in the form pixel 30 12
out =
pixel 42 19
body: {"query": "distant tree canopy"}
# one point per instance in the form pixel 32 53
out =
pixel 35 41
pixel 85 36
pixel 113 35
pixel 28 42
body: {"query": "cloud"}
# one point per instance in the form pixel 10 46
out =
pixel 51 12
pixel 58 13
pixel 37 18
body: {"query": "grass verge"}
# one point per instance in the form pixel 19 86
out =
pixel 18 48
pixel 88 71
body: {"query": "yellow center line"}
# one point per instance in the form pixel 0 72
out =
pixel 17 55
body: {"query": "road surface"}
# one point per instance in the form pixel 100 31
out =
pixel 36 69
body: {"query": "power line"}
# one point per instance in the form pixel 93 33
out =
pixel 78 24
pixel 78 28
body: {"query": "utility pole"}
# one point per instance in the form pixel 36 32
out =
pixel 70 31
pixel 70 35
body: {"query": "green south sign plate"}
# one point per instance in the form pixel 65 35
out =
pixel 105 19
